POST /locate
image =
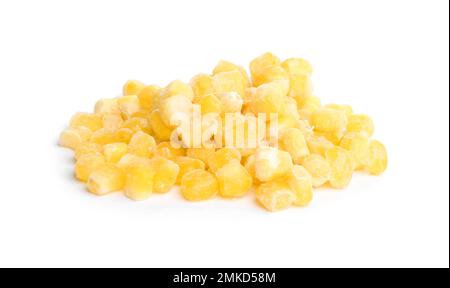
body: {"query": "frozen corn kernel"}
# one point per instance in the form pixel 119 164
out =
pixel 160 130
pixel 210 104
pixel 271 164
pixel 106 136
pixel 88 163
pixel 175 109
pixel 202 154
pixel 222 157
pixel 346 108
pixel 199 185
pixel 166 174
pixel 358 144
pixel 141 144
pixel 275 196
pixel 318 144
pixel 123 135
pixel 300 87
pixel 188 164
pixel 106 179
pixel 87 148
pixel 139 182
pixel 329 120
pixel 249 164
pixel 112 121
pixel 361 123
pixel 177 87
pixel 378 159
pixel 166 150
pixel 73 137
pixel 269 98
pixel 262 62
pixel 132 87
pixel 129 105
pixel 319 169
pixel 231 102
pixel 297 66
pixel 270 74
pixel 293 141
pixel 147 96
pixel 341 167
pixel 202 85
pixel 137 124
pixel 91 121
pixel 114 152
pixel 300 182
pixel 333 137
pixel 107 106
pixel 225 66
pixel 130 160
pixel 231 81
pixel 234 180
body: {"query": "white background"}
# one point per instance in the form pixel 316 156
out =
pixel 388 59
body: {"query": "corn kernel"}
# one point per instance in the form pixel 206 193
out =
pixel 231 81
pixel 231 102
pixel 199 185
pixel 139 182
pixel 86 164
pixel 249 164
pixel 300 182
pixel 177 87
pixel 132 87
pixel 318 144
pixel 358 144
pixel 300 87
pixel 271 164
pixel 222 157
pixel 293 141
pixel 202 85
pixel 329 120
pixel 106 179
pixel 297 66
pixel 137 124
pixel 361 123
pixel 319 169
pixel 378 159
pixel 210 104
pixel 269 98
pixel 225 66
pixel 107 106
pixel 186 165
pixel 234 180
pixel 129 105
pixel 130 160
pixel 114 152
pixel 333 137
pixel 275 196
pixel 341 167
pixel 262 62
pixel 91 121
pixel 160 130
pixel 106 136
pixel 87 148
pixel 202 154
pixel 141 144
pixel 166 174
pixel 175 109
pixel 270 74
pixel 112 121
pixel 74 137
pixel 147 96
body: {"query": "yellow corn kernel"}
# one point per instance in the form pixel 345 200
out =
pixel 222 157
pixel 177 87
pixel 137 124
pixel 361 123
pixel 293 141
pixel 166 150
pixel 358 144
pixel 329 120
pixel 107 106
pixel 112 121
pixel 270 74
pixel 234 180
pixel 249 164
pixel 231 102
pixel 271 164
pixel 297 66
pixel 73 137
pixel 160 130
pixel 275 196
pixel 346 108
pixel 166 174
pixel 199 185
pixel 202 85
pixel 106 136
pixel 147 95
pixel 269 98
pixel 106 179
pixel 262 62
pixel 91 121
pixel 175 109
pixel 131 160
pixel 300 181
pixel 141 144
pixel 300 87
pixel 202 154
pixel 225 66
pixel 188 164
pixel 88 163
pixel 231 81
pixel 132 87
pixel 341 167
pixel 318 144
pixel 319 169
pixel 114 152
pixel 139 182
pixel 129 105
pixel 210 104
pixel 87 148
pixel 123 135
pixel 378 159
pixel 333 137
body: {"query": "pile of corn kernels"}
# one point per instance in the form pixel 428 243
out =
pixel 125 144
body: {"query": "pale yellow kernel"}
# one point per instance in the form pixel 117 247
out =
pixel 275 196
pixel 107 106
pixel 114 152
pixel 360 123
pixel 234 180
pixel 106 179
pixel 166 150
pixel 210 104
pixel 175 109
pixel 358 144
pixel 318 144
pixel 74 137
pixel 199 185
pixel 130 160
pixel 341 167
pixel 222 157
pixel 271 164
pixel 188 164
pixel 160 130
pixel 293 141
pixel 177 87
pixel 297 66
pixel 141 144
pixel 92 121
pixel 300 181
pixel 329 120
pixel 147 96
pixel 87 148
pixel 137 124
pixel 378 159
pixel 132 87
pixel 202 154
pixel 88 163
pixel 202 85
pixel 231 81
pixel 262 62
pixel 319 169
pixel 139 182
pixel 112 121
pixel 129 105
pixel 166 174
pixel 225 66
